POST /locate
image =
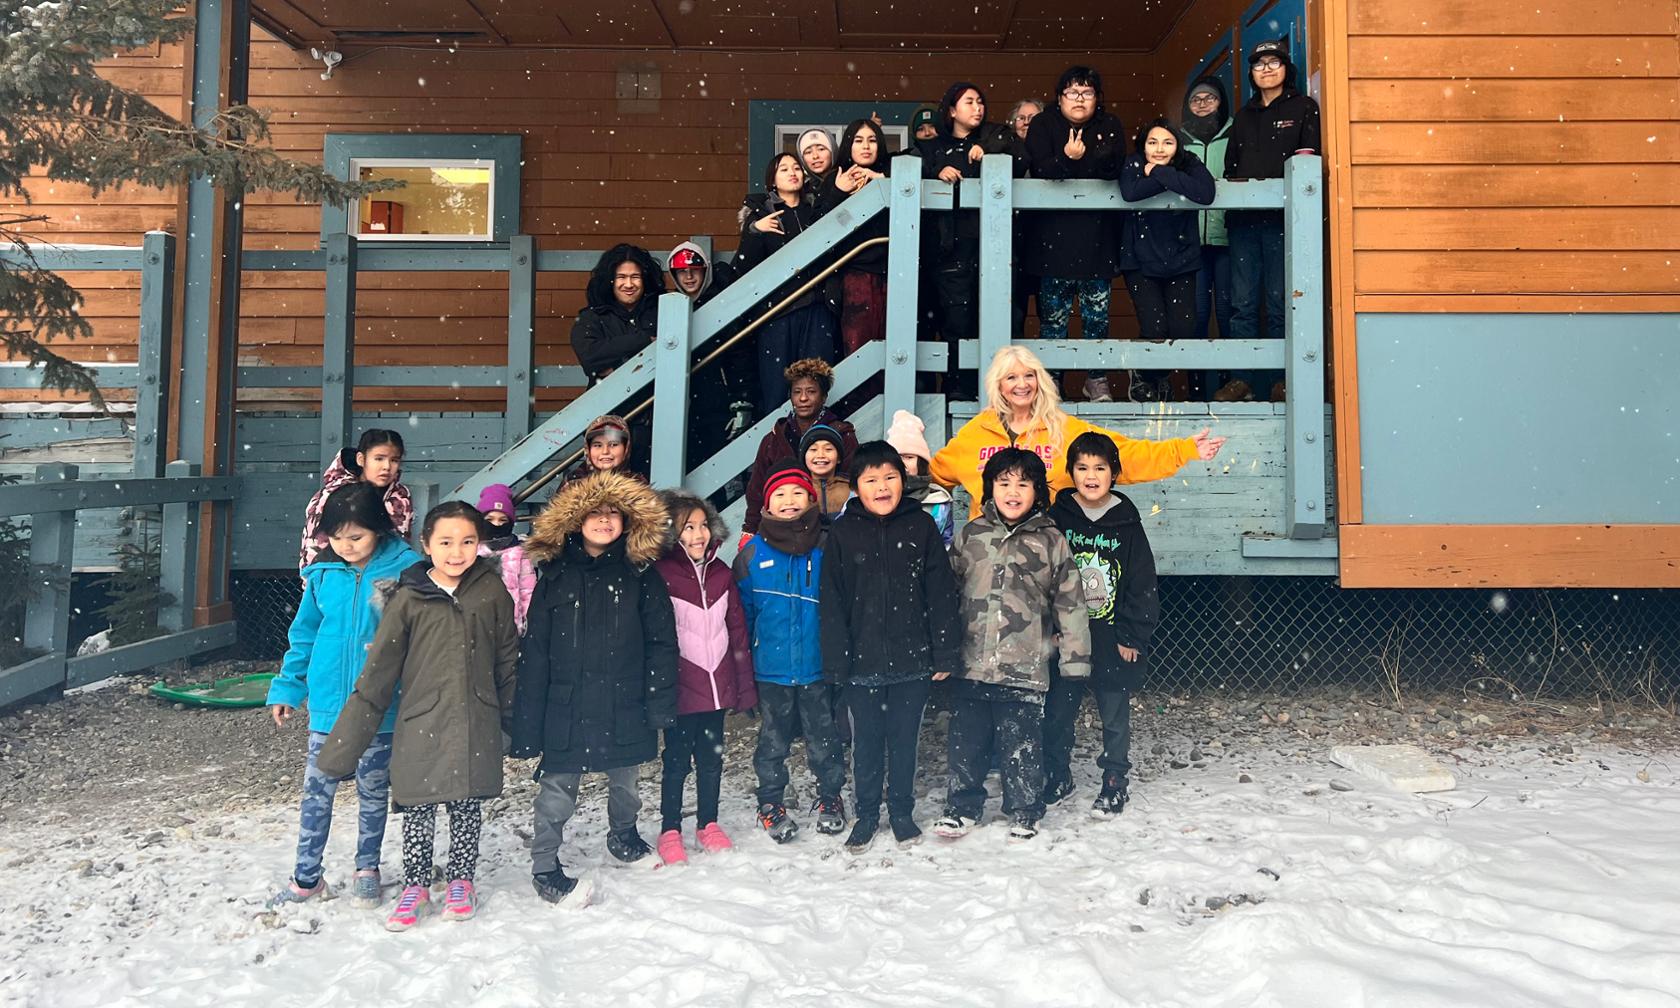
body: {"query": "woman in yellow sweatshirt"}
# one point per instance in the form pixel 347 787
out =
pixel 1024 410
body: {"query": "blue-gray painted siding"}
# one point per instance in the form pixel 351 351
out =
pixel 1519 419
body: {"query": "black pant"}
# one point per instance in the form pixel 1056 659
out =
pixel 785 713
pixel 697 740
pixel 987 730
pixel 956 289
pixel 1061 707
pixel 1166 308
pixel 886 724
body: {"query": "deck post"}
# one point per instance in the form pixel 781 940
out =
pixel 997 256
pixel 212 215
pixel 904 229
pixel 52 541
pixel 178 555
pixel 338 347
pixel 1303 333
pixel 669 461
pixel 522 338
pixel 151 392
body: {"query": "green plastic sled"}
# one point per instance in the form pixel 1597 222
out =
pixel 239 691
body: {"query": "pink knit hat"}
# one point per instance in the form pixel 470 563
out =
pixel 907 437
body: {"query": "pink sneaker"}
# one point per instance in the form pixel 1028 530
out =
pixel 671 847
pixel 410 905
pixel 460 900
pixel 714 839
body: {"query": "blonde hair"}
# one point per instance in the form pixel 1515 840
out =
pixel 1047 408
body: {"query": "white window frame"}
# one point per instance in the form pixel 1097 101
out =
pixel 354 210
pixel 835 131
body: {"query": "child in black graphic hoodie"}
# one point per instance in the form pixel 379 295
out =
pixel 1117 573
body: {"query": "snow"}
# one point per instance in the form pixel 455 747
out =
pixel 1543 879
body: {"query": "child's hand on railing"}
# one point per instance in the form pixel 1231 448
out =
pixel 950 175
pixel 975 153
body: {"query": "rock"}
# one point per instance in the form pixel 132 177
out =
pixel 1135 928
pixel 1158 749
pixel 179 706
pixel 1143 897
pixel 1282 717
pixel 1337 785
pixel 1216 902
pixel 1195 753
pixel 1244 779
pixel 1178 764
pixel 213 830
pixel 304 925
pixel 1274 876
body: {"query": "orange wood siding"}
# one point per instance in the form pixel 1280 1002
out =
pixel 1510 556
pixel 593 176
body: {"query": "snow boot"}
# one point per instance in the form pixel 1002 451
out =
pixel 1022 827
pixel 671 848
pixel 863 834
pixel 460 900
pixel 831 814
pixel 294 893
pixel 1112 801
pixel 713 838
pixel 1056 789
pixel 628 847
pixel 410 905
pixel 774 818
pixel 953 825
pixel 905 831
pixel 553 886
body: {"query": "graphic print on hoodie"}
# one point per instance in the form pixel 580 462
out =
pixel 1117 575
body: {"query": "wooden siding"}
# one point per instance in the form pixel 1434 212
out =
pixel 1512 149
pixel 593 176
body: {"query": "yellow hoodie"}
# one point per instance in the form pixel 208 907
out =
pixel 964 457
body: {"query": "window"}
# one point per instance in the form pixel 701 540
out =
pixel 457 187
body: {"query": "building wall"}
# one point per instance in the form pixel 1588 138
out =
pixel 1506 254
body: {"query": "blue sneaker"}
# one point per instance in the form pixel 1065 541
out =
pixel 294 893
pixel 365 889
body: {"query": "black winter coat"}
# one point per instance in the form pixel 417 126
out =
pixel 757 246
pixel 1074 244
pixel 1163 243
pixel 955 236
pixel 1264 136
pixel 606 334
pixel 598 670
pixel 1117 573
pixel 889 610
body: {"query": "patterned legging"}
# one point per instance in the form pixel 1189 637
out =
pixel 419 827
pixel 1056 298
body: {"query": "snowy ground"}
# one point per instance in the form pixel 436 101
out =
pixel 1242 874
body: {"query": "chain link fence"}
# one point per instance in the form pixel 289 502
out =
pixel 1289 634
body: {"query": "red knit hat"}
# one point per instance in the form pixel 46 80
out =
pixel 786 474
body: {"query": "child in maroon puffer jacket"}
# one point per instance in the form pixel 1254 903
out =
pixel 714 671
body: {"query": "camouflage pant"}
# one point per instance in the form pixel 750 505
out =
pixel 1055 307
pixel 373 788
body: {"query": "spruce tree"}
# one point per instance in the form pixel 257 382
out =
pixel 60 119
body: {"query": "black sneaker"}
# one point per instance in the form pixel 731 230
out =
pixel 905 831
pixel 863 834
pixel 953 825
pixel 774 818
pixel 1112 801
pixel 553 886
pixel 1056 789
pixel 1022 827
pixel 831 814
pixel 628 847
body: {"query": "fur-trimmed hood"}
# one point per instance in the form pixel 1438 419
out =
pixel 646 521
pixel 680 503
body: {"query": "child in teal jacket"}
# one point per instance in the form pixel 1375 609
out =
pixel 329 638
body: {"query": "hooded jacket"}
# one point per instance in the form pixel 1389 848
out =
pixel 1117 575
pixel 1163 243
pixel 778 572
pixel 1073 244
pixel 453 657
pixel 955 236
pixel 598 673
pixel 889 599
pixel 1021 602
pixel 519 575
pixel 1211 151
pixel 757 246
pixel 783 443
pixel 712 279
pixel 606 333
pixel 964 457
pixel 332 632
pixel 1263 136
pixel 714 653
pixel 343 472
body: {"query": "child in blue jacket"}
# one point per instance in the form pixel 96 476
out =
pixel 329 639
pixel 778 571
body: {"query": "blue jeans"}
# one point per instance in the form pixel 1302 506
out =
pixel 1213 304
pixel 792 336
pixel 1256 284
pixel 373 788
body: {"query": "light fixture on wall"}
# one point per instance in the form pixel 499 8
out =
pixel 331 57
